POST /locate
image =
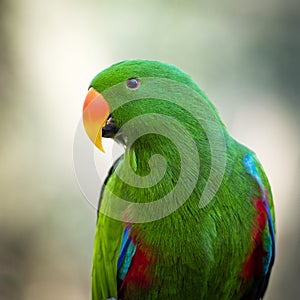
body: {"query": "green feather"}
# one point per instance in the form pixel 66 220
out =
pixel 106 252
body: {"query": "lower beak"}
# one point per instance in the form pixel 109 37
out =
pixel 95 113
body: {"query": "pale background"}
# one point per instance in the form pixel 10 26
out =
pixel 244 54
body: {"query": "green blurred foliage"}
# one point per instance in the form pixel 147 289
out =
pixel 244 54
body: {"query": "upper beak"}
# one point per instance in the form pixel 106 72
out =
pixel 95 113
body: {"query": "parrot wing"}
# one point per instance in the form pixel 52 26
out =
pixel 118 259
pixel 257 268
pixel 108 242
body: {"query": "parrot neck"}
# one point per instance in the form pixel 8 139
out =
pixel 150 152
pixel 154 152
pixel 175 156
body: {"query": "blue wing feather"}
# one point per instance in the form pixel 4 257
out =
pixel 127 251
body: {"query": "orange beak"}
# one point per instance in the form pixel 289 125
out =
pixel 95 113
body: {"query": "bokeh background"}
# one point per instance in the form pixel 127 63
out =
pixel 244 54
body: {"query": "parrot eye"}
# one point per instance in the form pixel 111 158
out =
pixel 132 84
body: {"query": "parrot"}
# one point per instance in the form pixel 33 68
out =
pixel 186 212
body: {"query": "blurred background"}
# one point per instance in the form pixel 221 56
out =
pixel 243 54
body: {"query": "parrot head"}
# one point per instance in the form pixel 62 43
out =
pixel 127 90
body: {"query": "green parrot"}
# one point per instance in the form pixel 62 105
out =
pixel 186 212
